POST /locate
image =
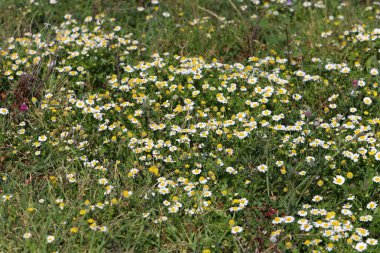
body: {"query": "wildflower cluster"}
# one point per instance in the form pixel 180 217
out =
pixel 260 146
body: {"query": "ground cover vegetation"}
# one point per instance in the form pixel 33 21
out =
pixel 189 126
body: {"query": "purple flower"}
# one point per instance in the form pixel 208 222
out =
pixel 289 2
pixel 308 113
pixel 23 107
pixel 355 83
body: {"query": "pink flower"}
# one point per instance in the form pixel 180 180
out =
pixel 23 107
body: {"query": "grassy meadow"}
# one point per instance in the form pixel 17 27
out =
pixel 189 126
